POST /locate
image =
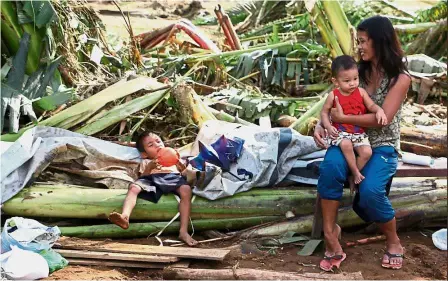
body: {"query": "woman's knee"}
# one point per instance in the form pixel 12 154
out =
pixel 371 195
pixel 185 191
pixel 376 206
pixel 332 174
pixel 367 192
pixel 334 162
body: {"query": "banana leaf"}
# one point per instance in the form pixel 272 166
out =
pixel 14 85
pixel 52 101
pixel 121 112
pixel 37 83
pixel 42 12
pixel 16 94
pixel 13 30
pixel 81 111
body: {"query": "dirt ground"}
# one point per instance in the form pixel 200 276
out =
pixel 423 261
pixel 146 15
pixel 151 17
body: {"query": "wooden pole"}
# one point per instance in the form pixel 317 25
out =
pixel 251 274
pixel 424 143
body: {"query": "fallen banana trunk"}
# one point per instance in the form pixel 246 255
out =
pixel 65 201
pixel 251 274
pixel 423 142
pixel 301 124
pixel 432 203
pixel 431 42
pixel 145 229
pixel 148 37
pixel 191 107
pixel 414 28
pixel 74 202
pixel 328 36
pixel 340 25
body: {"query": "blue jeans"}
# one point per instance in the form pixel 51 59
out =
pixel 371 202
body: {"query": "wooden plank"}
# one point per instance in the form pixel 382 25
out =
pixel 115 256
pixel 181 252
pixel 180 264
pixel 75 261
pixel 439 169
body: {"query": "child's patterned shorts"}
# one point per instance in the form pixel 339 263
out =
pixel 356 139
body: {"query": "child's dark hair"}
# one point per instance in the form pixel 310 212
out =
pixel 343 62
pixel 139 142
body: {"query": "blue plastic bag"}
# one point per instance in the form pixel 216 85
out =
pixel 28 234
pixel 221 153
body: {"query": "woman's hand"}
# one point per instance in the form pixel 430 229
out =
pixel 337 113
pixel 319 134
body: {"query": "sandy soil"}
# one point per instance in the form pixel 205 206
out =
pixel 150 18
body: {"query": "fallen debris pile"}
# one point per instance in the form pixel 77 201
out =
pixel 273 75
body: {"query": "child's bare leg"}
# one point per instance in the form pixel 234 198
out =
pixel 349 154
pixel 364 153
pixel 122 220
pixel 184 210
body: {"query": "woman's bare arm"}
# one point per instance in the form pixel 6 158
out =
pixel 391 105
pixel 325 113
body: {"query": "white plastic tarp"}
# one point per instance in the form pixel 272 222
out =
pixel 38 147
pixel 268 156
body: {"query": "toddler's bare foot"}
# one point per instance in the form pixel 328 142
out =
pixel 184 236
pixel 119 219
pixel 358 178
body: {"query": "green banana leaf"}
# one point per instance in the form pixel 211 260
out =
pixel 42 12
pixel 51 102
pixel 14 85
pixel 16 94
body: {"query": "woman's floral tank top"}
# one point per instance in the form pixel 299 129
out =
pixel 388 135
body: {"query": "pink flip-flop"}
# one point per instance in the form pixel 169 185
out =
pixel 329 262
